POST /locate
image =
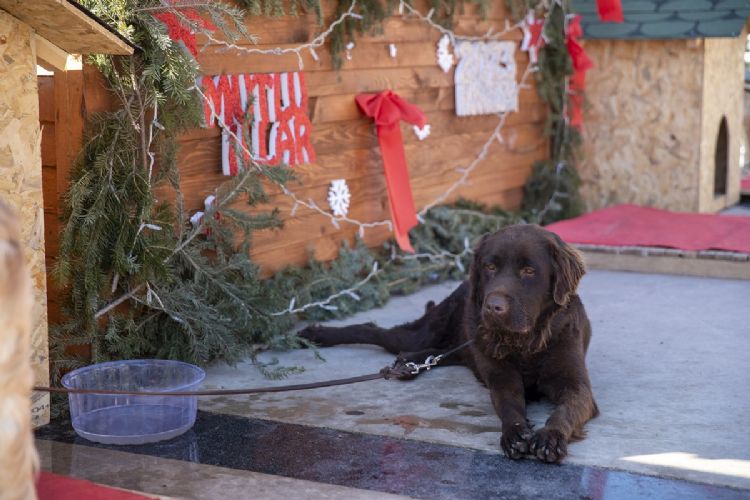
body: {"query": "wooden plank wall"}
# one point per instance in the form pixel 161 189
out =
pixel 62 111
pixel 49 185
pixel 345 142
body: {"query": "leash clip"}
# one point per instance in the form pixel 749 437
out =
pixel 415 369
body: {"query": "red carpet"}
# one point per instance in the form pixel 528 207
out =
pixel 53 487
pixel 630 225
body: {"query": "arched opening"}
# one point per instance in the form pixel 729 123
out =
pixel 721 159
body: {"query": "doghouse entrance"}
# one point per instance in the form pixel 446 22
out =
pixel 721 159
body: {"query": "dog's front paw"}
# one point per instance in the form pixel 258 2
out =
pixel 314 334
pixel 549 445
pixel 515 440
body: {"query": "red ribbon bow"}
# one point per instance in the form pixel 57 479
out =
pixel 388 109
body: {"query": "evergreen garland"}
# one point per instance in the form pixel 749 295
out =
pixel 440 242
pixel 275 8
pixel 373 13
pixel 192 293
pixel 551 193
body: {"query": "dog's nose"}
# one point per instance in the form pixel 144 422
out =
pixel 496 304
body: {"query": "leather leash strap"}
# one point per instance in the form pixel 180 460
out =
pixel 399 370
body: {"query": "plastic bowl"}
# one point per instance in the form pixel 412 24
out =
pixel 114 419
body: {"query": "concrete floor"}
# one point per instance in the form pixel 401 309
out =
pixel 170 478
pixel 739 209
pixel 668 362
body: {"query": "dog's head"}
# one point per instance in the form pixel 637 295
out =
pixel 520 276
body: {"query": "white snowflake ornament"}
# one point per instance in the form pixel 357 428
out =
pixel 422 133
pixel 444 58
pixel 338 197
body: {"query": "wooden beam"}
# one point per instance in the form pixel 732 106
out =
pixel 70 119
pixel 667 264
pixel 50 53
pixel 68 27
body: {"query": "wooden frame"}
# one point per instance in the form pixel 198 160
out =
pixel 68 27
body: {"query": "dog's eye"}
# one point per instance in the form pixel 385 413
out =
pixel 527 271
pixel 490 267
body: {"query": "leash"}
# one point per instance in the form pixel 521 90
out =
pixel 398 370
pixel 431 361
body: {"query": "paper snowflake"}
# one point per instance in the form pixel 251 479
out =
pixel 338 197
pixel 422 133
pixel 533 36
pixel 444 58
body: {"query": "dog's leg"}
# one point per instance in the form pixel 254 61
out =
pixel 507 392
pixel 437 328
pixel 405 338
pixel 570 390
pixel 327 336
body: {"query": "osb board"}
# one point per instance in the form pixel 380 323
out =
pixel 21 178
pixel 345 142
pixel 643 122
pixel 723 94
pixel 67 26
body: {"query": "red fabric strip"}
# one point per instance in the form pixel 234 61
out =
pixel 403 212
pixel 610 11
pixel 388 109
pixel 53 487
pixel 631 225
pixel 581 64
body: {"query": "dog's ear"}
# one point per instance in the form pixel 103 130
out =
pixel 567 270
pixel 475 273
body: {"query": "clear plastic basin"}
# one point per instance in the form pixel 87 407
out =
pixel 114 419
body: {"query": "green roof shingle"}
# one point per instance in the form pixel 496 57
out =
pixel 666 19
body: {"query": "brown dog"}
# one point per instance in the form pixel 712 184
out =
pixel 530 332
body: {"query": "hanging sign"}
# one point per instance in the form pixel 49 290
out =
pixel 486 78
pixel 275 107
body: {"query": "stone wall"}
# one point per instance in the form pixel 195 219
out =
pixel 21 178
pixel 642 123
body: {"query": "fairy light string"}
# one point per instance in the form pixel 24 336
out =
pixel 411 14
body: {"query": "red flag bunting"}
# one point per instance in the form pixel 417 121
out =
pixel 581 64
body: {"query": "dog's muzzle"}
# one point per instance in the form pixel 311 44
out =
pixel 498 311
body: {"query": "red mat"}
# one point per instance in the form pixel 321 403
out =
pixel 630 225
pixel 53 487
